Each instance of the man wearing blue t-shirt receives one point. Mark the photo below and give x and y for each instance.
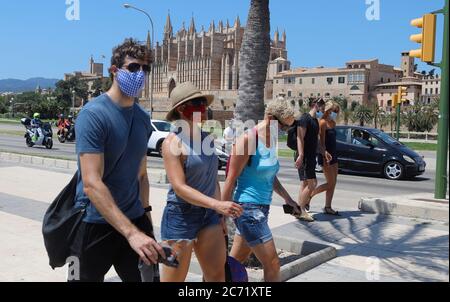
(112, 135)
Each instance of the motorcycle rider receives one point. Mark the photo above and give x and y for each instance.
(36, 124)
(63, 125)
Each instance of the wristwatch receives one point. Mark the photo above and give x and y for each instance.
(148, 209)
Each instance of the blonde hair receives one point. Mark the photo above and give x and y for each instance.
(280, 109)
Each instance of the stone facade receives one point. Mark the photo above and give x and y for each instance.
(210, 60)
(95, 73)
(431, 86)
(357, 81)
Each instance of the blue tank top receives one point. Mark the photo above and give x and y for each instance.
(255, 184)
(200, 169)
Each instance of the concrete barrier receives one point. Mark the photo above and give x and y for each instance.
(422, 206)
(312, 255)
(156, 176)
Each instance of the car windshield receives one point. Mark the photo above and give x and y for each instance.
(386, 138)
(163, 126)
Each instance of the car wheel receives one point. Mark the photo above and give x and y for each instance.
(159, 147)
(394, 170)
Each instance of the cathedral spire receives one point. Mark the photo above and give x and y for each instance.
(168, 29)
(237, 23)
(212, 27)
(276, 37)
(149, 41)
(283, 37)
(192, 29)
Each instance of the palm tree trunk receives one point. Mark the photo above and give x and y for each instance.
(253, 63)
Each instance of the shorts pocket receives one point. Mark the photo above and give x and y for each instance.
(179, 208)
(255, 216)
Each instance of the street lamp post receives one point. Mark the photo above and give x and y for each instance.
(73, 102)
(126, 5)
(12, 106)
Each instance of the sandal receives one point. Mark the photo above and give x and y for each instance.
(307, 208)
(306, 217)
(330, 211)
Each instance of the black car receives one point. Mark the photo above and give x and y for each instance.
(371, 151)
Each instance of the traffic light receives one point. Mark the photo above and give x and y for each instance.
(402, 94)
(394, 100)
(427, 38)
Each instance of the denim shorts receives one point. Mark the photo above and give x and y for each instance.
(183, 221)
(253, 224)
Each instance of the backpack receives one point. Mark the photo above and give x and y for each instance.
(292, 137)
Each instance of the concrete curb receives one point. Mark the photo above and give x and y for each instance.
(314, 254)
(422, 206)
(156, 176)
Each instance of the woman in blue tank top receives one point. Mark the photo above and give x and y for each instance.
(251, 180)
(192, 218)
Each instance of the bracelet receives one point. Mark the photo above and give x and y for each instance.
(148, 209)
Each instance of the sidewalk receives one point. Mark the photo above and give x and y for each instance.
(407, 249)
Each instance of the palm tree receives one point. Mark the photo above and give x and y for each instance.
(345, 110)
(376, 112)
(420, 118)
(363, 114)
(431, 72)
(384, 118)
(253, 62)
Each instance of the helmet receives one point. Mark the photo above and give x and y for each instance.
(61, 116)
(70, 117)
(36, 115)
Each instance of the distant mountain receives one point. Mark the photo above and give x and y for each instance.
(14, 85)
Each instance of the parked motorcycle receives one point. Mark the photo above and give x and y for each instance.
(45, 134)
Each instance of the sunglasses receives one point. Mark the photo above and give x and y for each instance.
(197, 103)
(282, 124)
(135, 67)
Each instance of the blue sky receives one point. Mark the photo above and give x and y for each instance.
(36, 39)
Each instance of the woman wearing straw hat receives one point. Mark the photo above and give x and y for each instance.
(327, 134)
(192, 217)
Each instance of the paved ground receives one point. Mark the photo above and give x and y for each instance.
(406, 249)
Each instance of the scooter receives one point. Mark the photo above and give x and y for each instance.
(68, 136)
(45, 134)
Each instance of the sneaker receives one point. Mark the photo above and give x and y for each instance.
(306, 217)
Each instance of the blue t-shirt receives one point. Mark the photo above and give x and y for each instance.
(104, 127)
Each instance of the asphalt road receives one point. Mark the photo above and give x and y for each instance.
(350, 187)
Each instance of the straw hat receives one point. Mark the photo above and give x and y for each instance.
(184, 93)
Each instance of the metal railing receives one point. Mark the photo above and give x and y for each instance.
(427, 136)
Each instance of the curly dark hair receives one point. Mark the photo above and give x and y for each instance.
(132, 48)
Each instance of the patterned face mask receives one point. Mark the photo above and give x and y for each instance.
(131, 83)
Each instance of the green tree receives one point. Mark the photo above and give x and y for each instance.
(4, 106)
(384, 118)
(346, 110)
(376, 112)
(100, 86)
(420, 118)
(65, 90)
(254, 59)
(362, 114)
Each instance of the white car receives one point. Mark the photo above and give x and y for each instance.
(160, 130)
